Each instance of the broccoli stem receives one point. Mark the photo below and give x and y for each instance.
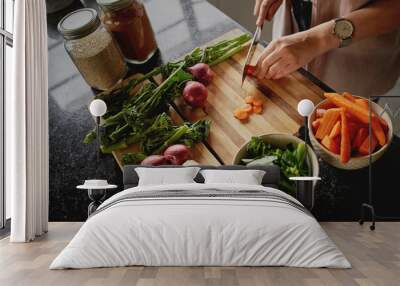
(109, 149)
(179, 133)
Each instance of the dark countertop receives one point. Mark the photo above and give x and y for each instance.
(180, 26)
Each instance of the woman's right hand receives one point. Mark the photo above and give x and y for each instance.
(265, 10)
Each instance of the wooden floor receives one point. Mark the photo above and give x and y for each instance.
(375, 257)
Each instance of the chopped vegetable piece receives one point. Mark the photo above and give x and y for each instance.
(320, 112)
(345, 147)
(249, 99)
(349, 96)
(353, 128)
(378, 132)
(248, 108)
(362, 102)
(332, 144)
(336, 130)
(328, 121)
(360, 113)
(350, 107)
(315, 124)
(364, 148)
(362, 133)
(241, 114)
(257, 102)
(257, 109)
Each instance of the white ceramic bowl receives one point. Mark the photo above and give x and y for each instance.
(355, 162)
(282, 140)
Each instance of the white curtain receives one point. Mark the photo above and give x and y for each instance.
(27, 124)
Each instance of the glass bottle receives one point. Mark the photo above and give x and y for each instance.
(127, 20)
(92, 49)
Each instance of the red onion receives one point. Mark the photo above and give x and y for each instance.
(177, 154)
(202, 73)
(195, 94)
(154, 160)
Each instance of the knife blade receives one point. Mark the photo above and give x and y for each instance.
(250, 53)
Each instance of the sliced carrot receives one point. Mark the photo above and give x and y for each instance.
(258, 102)
(328, 121)
(355, 110)
(353, 128)
(362, 102)
(362, 133)
(345, 148)
(364, 148)
(257, 109)
(332, 144)
(360, 113)
(248, 108)
(349, 96)
(378, 131)
(249, 99)
(315, 124)
(241, 114)
(336, 130)
(320, 112)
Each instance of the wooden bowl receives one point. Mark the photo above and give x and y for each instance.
(281, 140)
(355, 162)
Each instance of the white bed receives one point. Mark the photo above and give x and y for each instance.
(184, 230)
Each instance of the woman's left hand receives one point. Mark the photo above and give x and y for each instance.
(287, 54)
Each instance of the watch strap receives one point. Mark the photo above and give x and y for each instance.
(345, 42)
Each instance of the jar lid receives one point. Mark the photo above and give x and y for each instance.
(79, 23)
(114, 4)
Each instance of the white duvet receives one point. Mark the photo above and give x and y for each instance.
(200, 231)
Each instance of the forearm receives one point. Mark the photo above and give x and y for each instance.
(379, 17)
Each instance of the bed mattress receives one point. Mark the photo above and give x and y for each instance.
(201, 225)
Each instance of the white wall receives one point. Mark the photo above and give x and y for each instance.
(242, 12)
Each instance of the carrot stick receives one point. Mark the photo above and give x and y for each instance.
(362, 133)
(349, 96)
(315, 124)
(320, 112)
(362, 102)
(332, 144)
(345, 148)
(364, 148)
(365, 104)
(335, 130)
(328, 121)
(360, 113)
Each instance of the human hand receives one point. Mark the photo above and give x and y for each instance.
(287, 54)
(265, 10)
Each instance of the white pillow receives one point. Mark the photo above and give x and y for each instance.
(248, 177)
(165, 176)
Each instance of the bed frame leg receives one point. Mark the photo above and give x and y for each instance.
(362, 218)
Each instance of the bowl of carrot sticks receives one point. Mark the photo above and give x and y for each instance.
(340, 131)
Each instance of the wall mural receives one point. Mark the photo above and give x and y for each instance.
(168, 89)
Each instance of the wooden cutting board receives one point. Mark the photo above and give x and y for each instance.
(228, 134)
(225, 94)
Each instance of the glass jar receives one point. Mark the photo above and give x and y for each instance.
(92, 49)
(127, 20)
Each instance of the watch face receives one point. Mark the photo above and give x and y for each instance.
(344, 29)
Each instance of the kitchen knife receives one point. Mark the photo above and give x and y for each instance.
(250, 53)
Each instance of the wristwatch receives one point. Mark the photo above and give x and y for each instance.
(344, 30)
